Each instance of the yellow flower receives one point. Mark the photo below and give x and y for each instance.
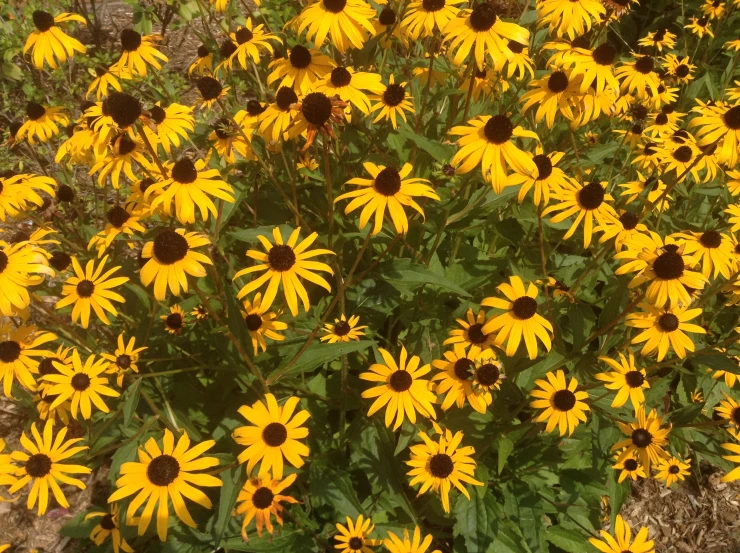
(622, 540)
(563, 405)
(121, 220)
(120, 159)
(250, 40)
(172, 124)
(21, 266)
(275, 434)
(174, 322)
(569, 17)
(394, 544)
(557, 92)
(261, 323)
(547, 180)
(350, 85)
(353, 538)
(464, 378)
(714, 249)
(43, 122)
(286, 263)
(19, 192)
(664, 329)
(260, 498)
(203, 64)
(49, 43)
(138, 51)
(162, 475)
(124, 358)
(627, 378)
(639, 77)
(629, 467)
(108, 527)
(19, 348)
(301, 69)
(672, 470)
(429, 17)
(646, 438)
(211, 91)
(471, 335)
(343, 330)
(392, 103)
(346, 21)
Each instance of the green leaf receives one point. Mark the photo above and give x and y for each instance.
(571, 541)
(229, 492)
(132, 401)
(505, 447)
(140, 293)
(250, 234)
(435, 149)
(406, 276)
(286, 542)
(617, 494)
(476, 521)
(78, 527)
(318, 354)
(718, 362)
(331, 487)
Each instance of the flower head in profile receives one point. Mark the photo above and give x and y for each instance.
(49, 43)
(622, 540)
(162, 475)
(260, 498)
(42, 123)
(343, 330)
(563, 405)
(261, 323)
(286, 263)
(389, 189)
(441, 465)
(275, 433)
(399, 388)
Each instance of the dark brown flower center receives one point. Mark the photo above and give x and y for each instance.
(557, 82)
(433, 5)
(669, 265)
(42, 20)
(604, 54)
(130, 40)
(80, 382)
(634, 379)
(275, 434)
(262, 498)
(674, 469)
(46, 366)
(117, 216)
(184, 171)
(9, 351)
(65, 193)
(661, 119)
(107, 523)
(157, 114)
(387, 17)
(3, 262)
(659, 34)
(163, 470)
(498, 129)
(475, 335)
(516, 47)
(342, 328)
(355, 543)
(174, 321)
(255, 107)
(281, 258)
(227, 48)
(464, 368)
(209, 88)
(682, 71)
(401, 381)
(85, 288)
(732, 118)
(388, 182)
(649, 149)
(35, 111)
(394, 94)
(335, 6)
(340, 76)
(636, 129)
(441, 465)
(285, 98)
(563, 400)
(631, 465)
(243, 35)
(683, 154)
(524, 308)
(253, 322)
(544, 166)
(668, 322)
(710, 239)
(736, 415)
(483, 16)
(123, 361)
(169, 247)
(221, 128)
(125, 145)
(702, 22)
(203, 51)
(642, 438)
(591, 196)
(38, 465)
(300, 57)
(123, 108)
(316, 108)
(629, 220)
(645, 65)
(488, 374)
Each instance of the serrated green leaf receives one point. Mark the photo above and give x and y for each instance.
(407, 276)
(318, 354)
(571, 541)
(332, 487)
(476, 521)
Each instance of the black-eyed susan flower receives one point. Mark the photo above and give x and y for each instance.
(44, 465)
(21, 266)
(729, 410)
(659, 39)
(596, 66)
(516, 58)
(459, 379)
(400, 388)
(734, 474)
(390, 189)
(301, 69)
(203, 64)
(251, 40)
(386, 28)
(487, 141)
(629, 467)
(520, 319)
(627, 228)
(569, 17)
(46, 366)
(393, 102)
(261, 323)
(106, 78)
(108, 527)
(679, 67)
(482, 32)
(137, 52)
(19, 353)
(317, 113)
(563, 405)
(81, 384)
(351, 86)
(164, 475)
(189, 186)
(646, 440)
(121, 220)
(632, 136)
(211, 91)
(43, 122)
(343, 330)
(664, 329)
(700, 26)
(278, 116)
(6, 469)
(123, 360)
(440, 465)
(672, 470)
(228, 141)
(61, 412)
(558, 92)
(91, 288)
(285, 264)
(200, 312)
(274, 434)
(395, 544)
(638, 76)
(260, 498)
(664, 266)
(713, 249)
(170, 257)
(720, 125)
(471, 335)
(424, 18)
(121, 159)
(172, 124)
(347, 22)
(547, 179)
(353, 538)
(49, 43)
(622, 540)
(714, 9)
(174, 321)
(652, 188)
(626, 378)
